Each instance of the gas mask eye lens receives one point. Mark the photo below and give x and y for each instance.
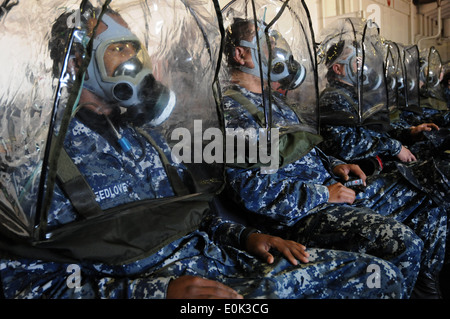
(129, 68)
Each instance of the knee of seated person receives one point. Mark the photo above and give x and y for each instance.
(413, 245)
(388, 278)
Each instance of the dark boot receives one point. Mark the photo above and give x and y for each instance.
(427, 287)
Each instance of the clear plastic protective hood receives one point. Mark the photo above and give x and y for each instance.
(284, 52)
(154, 64)
(431, 73)
(409, 93)
(356, 45)
(394, 74)
(402, 76)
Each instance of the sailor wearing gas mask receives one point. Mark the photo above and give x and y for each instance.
(433, 109)
(423, 91)
(123, 167)
(402, 67)
(360, 130)
(432, 97)
(341, 97)
(298, 199)
(355, 119)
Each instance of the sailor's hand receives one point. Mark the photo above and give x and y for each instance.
(191, 287)
(260, 244)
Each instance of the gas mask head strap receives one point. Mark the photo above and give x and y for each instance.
(253, 46)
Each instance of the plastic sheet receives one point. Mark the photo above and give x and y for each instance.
(40, 92)
(356, 43)
(431, 73)
(286, 25)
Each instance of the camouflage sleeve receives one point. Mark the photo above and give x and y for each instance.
(61, 210)
(334, 162)
(284, 196)
(402, 134)
(354, 143)
(222, 230)
(329, 161)
(237, 117)
(277, 196)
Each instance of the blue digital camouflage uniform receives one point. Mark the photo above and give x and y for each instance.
(389, 193)
(329, 274)
(352, 143)
(434, 108)
(292, 202)
(429, 115)
(124, 179)
(434, 144)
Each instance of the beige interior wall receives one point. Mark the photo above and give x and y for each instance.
(392, 16)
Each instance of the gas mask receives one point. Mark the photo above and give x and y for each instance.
(401, 83)
(284, 69)
(392, 80)
(121, 72)
(370, 79)
(427, 76)
(431, 79)
(411, 85)
(392, 83)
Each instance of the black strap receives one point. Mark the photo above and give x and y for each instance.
(176, 182)
(76, 187)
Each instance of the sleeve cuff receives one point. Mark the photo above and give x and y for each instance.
(244, 235)
(397, 148)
